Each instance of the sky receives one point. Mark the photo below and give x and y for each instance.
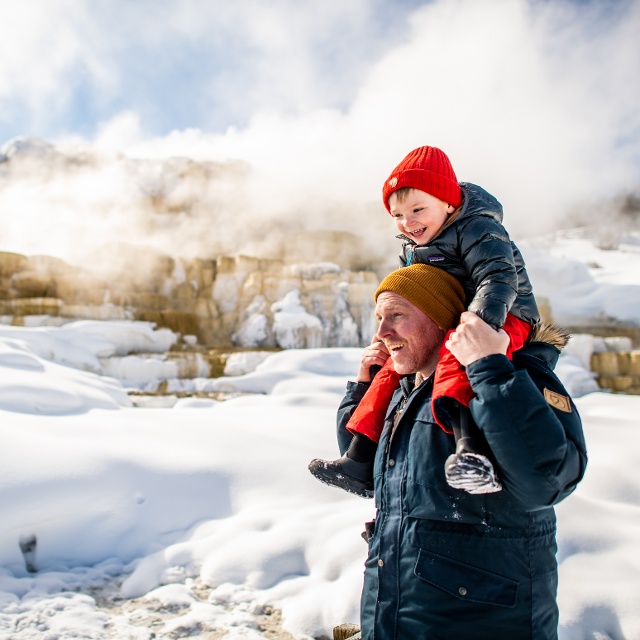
(146, 517)
(73, 65)
(534, 100)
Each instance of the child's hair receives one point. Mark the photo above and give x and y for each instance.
(403, 193)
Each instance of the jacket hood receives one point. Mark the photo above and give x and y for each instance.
(551, 334)
(545, 343)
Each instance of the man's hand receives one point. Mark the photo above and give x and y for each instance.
(375, 354)
(474, 339)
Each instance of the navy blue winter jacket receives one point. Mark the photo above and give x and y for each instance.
(445, 564)
(476, 250)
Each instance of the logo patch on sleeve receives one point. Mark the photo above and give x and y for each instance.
(557, 400)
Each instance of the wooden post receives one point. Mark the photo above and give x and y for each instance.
(345, 631)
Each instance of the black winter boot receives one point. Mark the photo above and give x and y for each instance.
(468, 469)
(345, 473)
(353, 472)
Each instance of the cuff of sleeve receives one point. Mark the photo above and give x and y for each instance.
(356, 390)
(489, 367)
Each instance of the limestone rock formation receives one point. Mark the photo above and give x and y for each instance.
(227, 301)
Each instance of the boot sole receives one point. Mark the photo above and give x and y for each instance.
(340, 480)
(472, 473)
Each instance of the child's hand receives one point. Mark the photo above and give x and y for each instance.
(474, 339)
(375, 355)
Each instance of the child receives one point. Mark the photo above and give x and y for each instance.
(457, 227)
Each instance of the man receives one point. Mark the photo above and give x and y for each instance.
(444, 563)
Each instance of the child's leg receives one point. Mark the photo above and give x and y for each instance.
(450, 389)
(368, 417)
(354, 470)
(367, 420)
(451, 382)
(469, 468)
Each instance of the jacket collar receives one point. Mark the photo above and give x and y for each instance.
(545, 342)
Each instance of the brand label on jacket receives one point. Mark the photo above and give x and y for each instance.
(557, 400)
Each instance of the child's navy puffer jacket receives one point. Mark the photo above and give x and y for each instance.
(476, 249)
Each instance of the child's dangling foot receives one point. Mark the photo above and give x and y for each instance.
(352, 472)
(468, 468)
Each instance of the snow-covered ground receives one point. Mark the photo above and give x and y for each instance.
(201, 519)
(585, 283)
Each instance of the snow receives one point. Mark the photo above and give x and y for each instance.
(168, 522)
(583, 283)
(290, 321)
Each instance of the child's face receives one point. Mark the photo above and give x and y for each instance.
(420, 216)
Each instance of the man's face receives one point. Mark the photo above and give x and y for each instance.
(419, 216)
(412, 338)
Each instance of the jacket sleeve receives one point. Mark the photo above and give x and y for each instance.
(535, 435)
(487, 256)
(355, 393)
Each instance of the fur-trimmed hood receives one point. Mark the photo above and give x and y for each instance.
(550, 334)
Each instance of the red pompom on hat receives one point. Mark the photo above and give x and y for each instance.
(427, 169)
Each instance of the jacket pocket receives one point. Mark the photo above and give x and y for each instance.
(465, 581)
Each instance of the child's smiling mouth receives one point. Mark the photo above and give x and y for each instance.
(418, 233)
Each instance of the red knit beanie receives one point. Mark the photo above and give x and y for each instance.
(427, 169)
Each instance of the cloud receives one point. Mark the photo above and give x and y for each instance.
(48, 52)
(66, 65)
(533, 100)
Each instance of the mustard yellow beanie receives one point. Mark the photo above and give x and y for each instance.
(430, 289)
